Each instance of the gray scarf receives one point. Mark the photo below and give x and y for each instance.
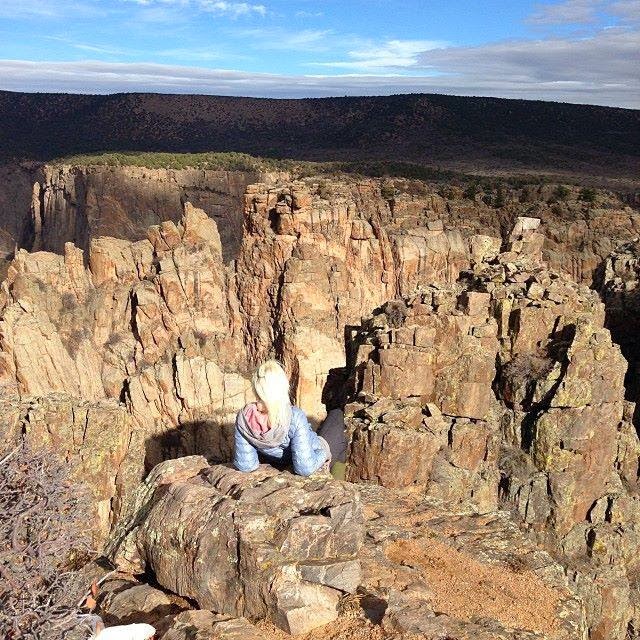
(268, 440)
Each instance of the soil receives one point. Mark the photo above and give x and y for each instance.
(466, 589)
(340, 629)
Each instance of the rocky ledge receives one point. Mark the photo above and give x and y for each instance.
(263, 545)
(262, 553)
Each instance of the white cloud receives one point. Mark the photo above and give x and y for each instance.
(232, 8)
(309, 14)
(279, 39)
(386, 55)
(198, 54)
(608, 62)
(567, 12)
(46, 9)
(627, 10)
(470, 72)
(93, 48)
(219, 7)
(584, 12)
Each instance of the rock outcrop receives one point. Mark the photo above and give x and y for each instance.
(43, 206)
(265, 549)
(148, 326)
(264, 545)
(484, 379)
(617, 281)
(507, 389)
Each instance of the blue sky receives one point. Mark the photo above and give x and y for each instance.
(570, 50)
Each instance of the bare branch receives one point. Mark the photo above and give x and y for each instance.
(43, 542)
(3, 460)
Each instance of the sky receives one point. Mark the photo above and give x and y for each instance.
(581, 51)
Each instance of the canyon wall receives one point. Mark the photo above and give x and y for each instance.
(439, 327)
(76, 204)
(16, 195)
(44, 206)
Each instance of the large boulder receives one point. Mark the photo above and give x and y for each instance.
(265, 545)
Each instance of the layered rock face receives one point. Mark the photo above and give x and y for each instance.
(506, 389)
(148, 326)
(617, 283)
(579, 235)
(16, 194)
(44, 206)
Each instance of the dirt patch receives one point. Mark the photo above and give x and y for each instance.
(466, 589)
(340, 629)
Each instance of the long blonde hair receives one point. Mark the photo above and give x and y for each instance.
(271, 385)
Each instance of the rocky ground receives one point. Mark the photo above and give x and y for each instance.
(493, 463)
(302, 554)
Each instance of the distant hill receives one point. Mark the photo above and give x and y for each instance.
(485, 134)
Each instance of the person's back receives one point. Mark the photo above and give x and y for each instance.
(274, 429)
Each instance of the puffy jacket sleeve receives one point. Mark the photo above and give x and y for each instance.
(245, 456)
(308, 452)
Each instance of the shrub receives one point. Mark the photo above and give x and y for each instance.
(396, 312)
(472, 191)
(587, 194)
(561, 193)
(500, 200)
(43, 542)
(324, 190)
(388, 191)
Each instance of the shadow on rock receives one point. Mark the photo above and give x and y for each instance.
(209, 438)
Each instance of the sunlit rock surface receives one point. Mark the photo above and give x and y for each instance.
(477, 375)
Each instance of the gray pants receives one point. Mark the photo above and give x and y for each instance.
(333, 431)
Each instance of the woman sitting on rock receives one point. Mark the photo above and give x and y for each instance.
(275, 431)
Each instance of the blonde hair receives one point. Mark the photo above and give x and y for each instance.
(271, 385)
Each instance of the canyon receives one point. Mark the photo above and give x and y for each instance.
(476, 335)
(43, 206)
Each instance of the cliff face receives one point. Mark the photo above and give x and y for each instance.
(76, 204)
(44, 206)
(505, 389)
(475, 348)
(16, 196)
(617, 282)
